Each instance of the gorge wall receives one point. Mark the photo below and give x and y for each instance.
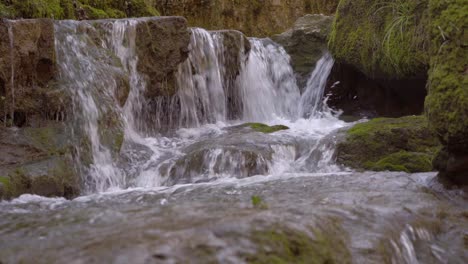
(257, 18)
(38, 108)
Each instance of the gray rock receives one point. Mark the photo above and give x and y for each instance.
(306, 42)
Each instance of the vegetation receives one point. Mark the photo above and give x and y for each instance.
(83, 9)
(259, 127)
(258, 203)
(447, 102)
(284, 245)
(394, 144)
(384, 39)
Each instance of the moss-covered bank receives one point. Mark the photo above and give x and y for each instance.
(394, 144)
(77, 9)
(383, 38)
(447, 102)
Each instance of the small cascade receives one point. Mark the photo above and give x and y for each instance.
(201, 94)
(92, 76)
(312, 99)
(268, 83)
(11, 37)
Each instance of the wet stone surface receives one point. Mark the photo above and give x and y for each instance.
(366, 217)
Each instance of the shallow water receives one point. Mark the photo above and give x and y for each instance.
(423, 222)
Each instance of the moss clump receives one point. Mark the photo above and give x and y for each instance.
(284, 245)
(265, 128)
(384, 38)
(395, 144)
(258, 203)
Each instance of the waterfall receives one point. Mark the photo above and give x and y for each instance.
(311, 101)
(268, 83)
(91, 75)
(219, 83)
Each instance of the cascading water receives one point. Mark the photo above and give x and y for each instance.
(312, 98)
(94, 60)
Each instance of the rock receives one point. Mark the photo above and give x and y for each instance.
(388, 41)
(27, 71)
(236, 49)
(162, 44)
(306, 42)
(447, 101)
(254, 18)
(395, 144)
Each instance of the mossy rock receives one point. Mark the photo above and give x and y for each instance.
(403, 161)
(383, 38)
(395, 144)
(259, 127)
(60, 181)
(285, 245)
(447, 101)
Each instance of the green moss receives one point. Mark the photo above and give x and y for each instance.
(283, 245)
(396, 144)
(95, 13)
(384, 38)
(64, 9)
(257, 202)
(265, 128)
(403, 161)
(447, 101)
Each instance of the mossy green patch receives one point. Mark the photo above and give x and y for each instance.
(258, 203)
(384, 38)
(402, 161)
(66, 9)
(265, 128)
(284, 245)
(395, 144)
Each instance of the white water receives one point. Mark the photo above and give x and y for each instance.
(196, 146)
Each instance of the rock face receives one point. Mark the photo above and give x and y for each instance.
(447, 102)
(398, 144)
(306, 42)
(161, 45)
(255, 18)
(27, 71)
(36, 106)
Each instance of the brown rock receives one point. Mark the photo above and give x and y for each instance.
(162, 44)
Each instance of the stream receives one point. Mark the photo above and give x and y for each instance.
(193, 184)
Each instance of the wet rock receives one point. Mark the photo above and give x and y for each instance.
(447, 101)
(27, 71)
(401, 144)
(161, 44)
(306, 43)
(254, 18)
(236, 49)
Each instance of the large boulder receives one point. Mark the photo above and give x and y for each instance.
(447, 102)
(394, 144)
(306, 42)
(254, 18)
